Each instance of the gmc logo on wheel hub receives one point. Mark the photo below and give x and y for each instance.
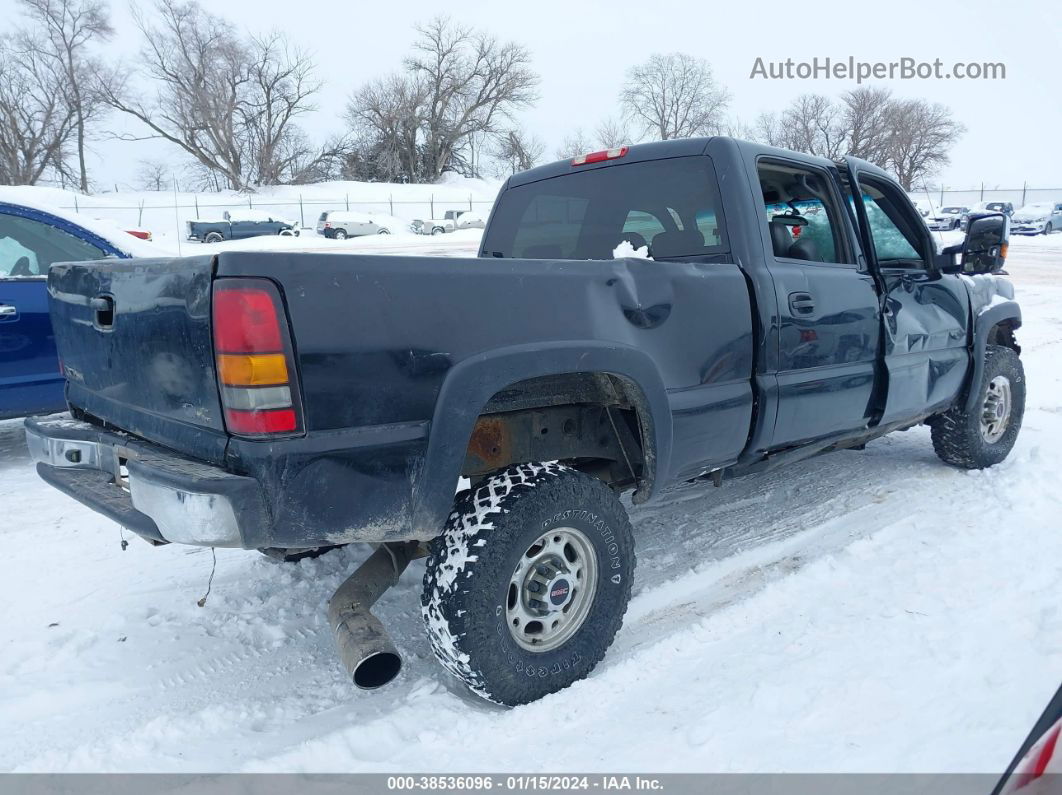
(559, 592)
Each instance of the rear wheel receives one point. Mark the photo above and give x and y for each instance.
(213, 237)
(384, 232)
(527, 586)
(438, 230)
(984, 436)
(340, 234)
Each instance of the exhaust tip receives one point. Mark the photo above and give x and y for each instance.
(377, 670)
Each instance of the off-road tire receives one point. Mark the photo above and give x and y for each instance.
(956, 434)
(466, 581)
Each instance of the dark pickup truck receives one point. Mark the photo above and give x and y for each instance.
(487, 412)
(239, 226)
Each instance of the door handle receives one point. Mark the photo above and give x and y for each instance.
(8, 311)
(801, 303)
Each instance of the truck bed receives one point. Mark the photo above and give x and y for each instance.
(396, 358)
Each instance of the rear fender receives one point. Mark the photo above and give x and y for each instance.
(472, 383)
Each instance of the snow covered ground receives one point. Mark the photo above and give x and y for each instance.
(864, 611)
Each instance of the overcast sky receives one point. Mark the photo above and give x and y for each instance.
(582, 49)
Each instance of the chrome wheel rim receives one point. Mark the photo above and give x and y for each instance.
(995, 416)
(551, 590)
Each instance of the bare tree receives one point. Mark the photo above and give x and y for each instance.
(455, 97)
(518, 151)
(674, 96)
(811, 124)
(921, 136)
(36, 124)
(281, 85)
(865, 117)
(470, 83)
(153, 175)
(229, 103)
(573, 145)
(386, 118)
(68, 29)
(612, 132)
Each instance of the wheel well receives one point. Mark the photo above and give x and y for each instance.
(1003, 334)
(595, 422)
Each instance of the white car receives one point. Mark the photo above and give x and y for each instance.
(433, 226)
(341, 224)
(471, 220)
(946, 218)
(1040, 218)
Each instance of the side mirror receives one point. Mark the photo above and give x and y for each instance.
(985, 247)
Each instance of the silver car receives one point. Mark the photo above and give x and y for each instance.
(343, 224)
(1040, 218)
(946, 218)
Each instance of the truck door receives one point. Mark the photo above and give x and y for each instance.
(827, 305)
(924, 312)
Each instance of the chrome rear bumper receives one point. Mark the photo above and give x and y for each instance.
(154, 492)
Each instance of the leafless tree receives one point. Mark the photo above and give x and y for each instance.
(575, 144)
(386, 117)
(518, 151)
(674, 96)
(612, 132)
(470, 82)
(865, 118)
(231, 104)
(921, 136)
(458, 90)
(153, 175)
(811, 123)
(280, 89)
(67, 31)
(36, 124)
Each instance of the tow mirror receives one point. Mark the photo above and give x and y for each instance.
(985, 248)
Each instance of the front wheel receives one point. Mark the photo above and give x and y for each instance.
(985, 436)
(527, 586)
(1048, 229)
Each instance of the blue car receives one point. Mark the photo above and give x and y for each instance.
(30, 241)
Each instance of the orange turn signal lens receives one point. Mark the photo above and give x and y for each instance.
(262, 369)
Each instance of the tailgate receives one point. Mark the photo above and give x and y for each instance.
(134, 340)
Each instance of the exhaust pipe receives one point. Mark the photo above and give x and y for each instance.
(365, 650)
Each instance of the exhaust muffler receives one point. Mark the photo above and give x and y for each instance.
(364, 647)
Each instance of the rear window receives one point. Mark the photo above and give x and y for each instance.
(671, 206)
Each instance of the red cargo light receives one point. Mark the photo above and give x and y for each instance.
(597, 157)
(253, 352)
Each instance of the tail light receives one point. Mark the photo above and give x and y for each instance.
(597, 157)
(255, 362)
(328, 225)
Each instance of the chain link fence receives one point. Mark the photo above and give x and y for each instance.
(1019, 197)
(164, 214)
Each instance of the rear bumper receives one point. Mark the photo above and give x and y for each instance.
(155, 493)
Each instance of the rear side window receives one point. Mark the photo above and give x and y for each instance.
(671, 206)
(29, 247)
